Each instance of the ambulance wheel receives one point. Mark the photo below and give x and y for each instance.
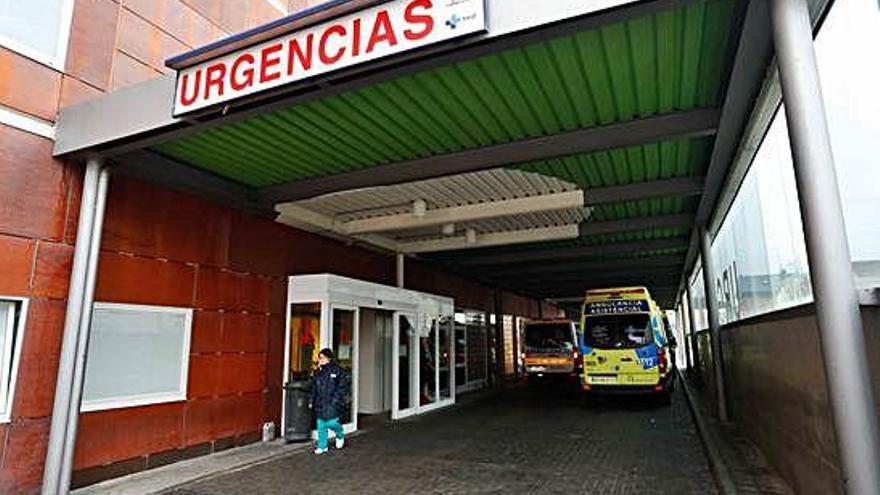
(664, 398)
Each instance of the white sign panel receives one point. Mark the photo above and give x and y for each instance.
(380, 31)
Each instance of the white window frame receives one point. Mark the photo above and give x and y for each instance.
(278, 5)
(14, 354)
(155, 398)
(27, 123)
(58, 62)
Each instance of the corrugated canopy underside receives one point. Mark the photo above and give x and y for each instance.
(669, 61)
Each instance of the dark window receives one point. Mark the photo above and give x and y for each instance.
(617, 331)
(549, 337)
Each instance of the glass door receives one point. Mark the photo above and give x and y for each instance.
(460, 350)
(445, 358)
(343, 342)
(428, 369)
(404, 373)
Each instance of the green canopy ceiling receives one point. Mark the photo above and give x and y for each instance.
(645, 66)
(666, 62)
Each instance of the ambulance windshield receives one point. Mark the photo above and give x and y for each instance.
(549, 337)
(619, 331)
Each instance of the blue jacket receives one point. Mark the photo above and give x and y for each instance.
(329, 391)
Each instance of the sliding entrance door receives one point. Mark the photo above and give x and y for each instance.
(404, 374)
(343, 341)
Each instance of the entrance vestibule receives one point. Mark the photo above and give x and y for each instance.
(395, 343)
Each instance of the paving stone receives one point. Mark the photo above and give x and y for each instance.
(516, 442)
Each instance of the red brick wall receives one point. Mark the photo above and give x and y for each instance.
(162, 247)
(113, 43)
(467, 293)
(38, 204)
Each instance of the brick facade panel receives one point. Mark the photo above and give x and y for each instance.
(204, 375)
(128, 71)
(16, 257)
(210, 419)
(92, 41)
(243, 373)
(21, 470)
(124, 278)
(74, 91)
(28, 86)
(51, 276)
(34, 190)
(275, 351)
(177, 19)
(216, 288)
(249, 413)
(174, 226)
(207, 328)
(34, 398)
(45, 326)
(232, 17)
(145, 42)
(118, 434)
(245, 332)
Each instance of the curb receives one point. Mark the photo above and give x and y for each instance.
(719, 468)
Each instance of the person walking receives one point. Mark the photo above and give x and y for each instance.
(328, 399)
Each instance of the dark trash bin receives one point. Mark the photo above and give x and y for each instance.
(298, 416)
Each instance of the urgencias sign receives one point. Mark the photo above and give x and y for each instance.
(380, 31)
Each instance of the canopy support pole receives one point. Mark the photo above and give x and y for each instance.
(400, 260)
(837, 310)
(714, 323)
(684, 325)
(692, 324)
(71, 370)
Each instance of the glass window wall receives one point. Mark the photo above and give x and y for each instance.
(846, 49)
(759, 251)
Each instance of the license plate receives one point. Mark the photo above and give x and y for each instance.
(603, 379)
(537, 368)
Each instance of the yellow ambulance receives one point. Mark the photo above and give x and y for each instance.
(625, 344)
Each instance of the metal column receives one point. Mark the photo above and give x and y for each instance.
(84, 332)
(837, 310)
(714, 322)
(400, 260)
(499, 338)
(685, 333)
(516, 351)
(692, 324)
(68, 389)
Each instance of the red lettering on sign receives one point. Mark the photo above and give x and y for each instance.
(270, 58)
(356, 38)
(184, 85)
(237, 72)
(294, 51)
(382, 31)
(214, 75)
(338, 30)
(425, 20)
